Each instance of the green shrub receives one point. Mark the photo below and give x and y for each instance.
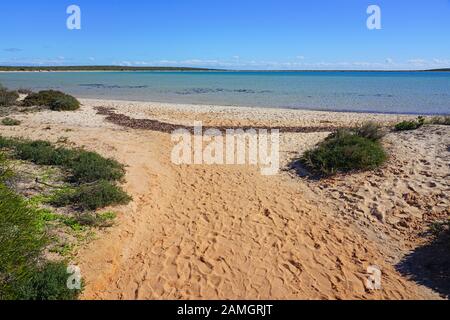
(84, 166)
(8, 98)
(6, 143)
(99, 220)
(21, 241)
(43, 153)
(46, 283)
(370, 130)
(344, 152)
(92, 172)
(92, 197)
(5, 171)
(55, 100)
(90, 167)
(410, 125)
(10, 122)
(66, 103)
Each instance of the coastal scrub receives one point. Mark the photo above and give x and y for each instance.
(345, 151)
(55, 100)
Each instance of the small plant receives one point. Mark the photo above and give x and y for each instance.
(84, 166)
(48, 282)
(10, 122)
(445, 120)
(65, 103)
(25, 91)
(410, 125)
(98, 220)
(439, 227)
(8, 98)
(42, 153)
(55, 100)
(5, 171)
(92, 197)
(21, 242)
(93, 175)
(89, 167)
(370, 130)
(344, 151)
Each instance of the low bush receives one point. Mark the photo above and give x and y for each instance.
(5, 171)
(42, 153)
(410, 125)
(89, 167)
(48, 282)
(91, 197)
(55, 100)
(98, 220)
(66, 103)
(21, 242)
(370, 130)
(8, 98)
(84, 166)
(445, 120)
(10, 122)
(94, 175)
(344, 151)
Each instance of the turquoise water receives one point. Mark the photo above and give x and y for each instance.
(390, 92)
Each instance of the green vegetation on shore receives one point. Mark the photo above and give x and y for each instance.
(410, 125)
(25, 274)
(52, 99)
(347, 150)
(7, 98)
(55, 100)
(90, 183)
(10, 122)
(420, 122)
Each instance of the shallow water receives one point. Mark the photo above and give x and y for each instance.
(390, 92)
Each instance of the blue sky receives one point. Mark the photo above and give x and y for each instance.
(244, 34)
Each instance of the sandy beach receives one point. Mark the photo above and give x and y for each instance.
(227, 232)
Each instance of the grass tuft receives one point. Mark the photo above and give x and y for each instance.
(92, 197)
(370, 130)
(10, 122)
(445, 120)
(410, 125)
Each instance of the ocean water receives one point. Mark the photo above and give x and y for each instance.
(386, 92)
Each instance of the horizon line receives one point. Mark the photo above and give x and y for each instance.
(181, 68)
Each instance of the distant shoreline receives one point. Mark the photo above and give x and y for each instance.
(172, 69)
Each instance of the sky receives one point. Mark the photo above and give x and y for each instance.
(229, 34)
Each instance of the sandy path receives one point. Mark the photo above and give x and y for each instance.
(206, 232)
(215, 232)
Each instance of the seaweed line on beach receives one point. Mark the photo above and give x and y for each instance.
(155, 125)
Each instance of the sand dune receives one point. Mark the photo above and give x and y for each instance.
(226, 232)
